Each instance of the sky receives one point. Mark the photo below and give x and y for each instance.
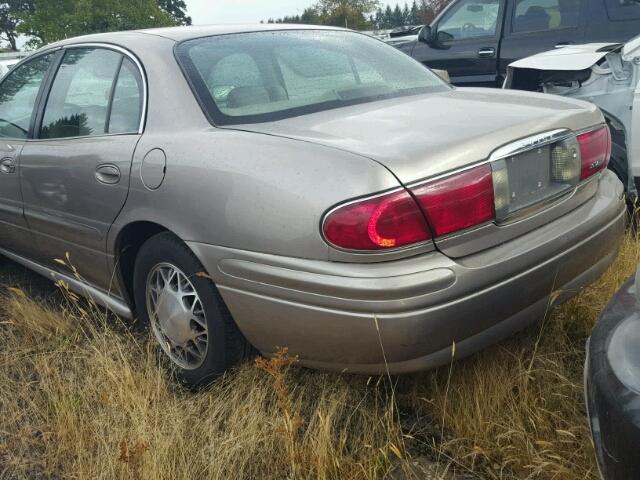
(244, 11)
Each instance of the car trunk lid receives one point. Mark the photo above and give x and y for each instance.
(431, 136)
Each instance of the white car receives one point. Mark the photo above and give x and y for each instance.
(9, 59)
(606, 74)
(5, 66)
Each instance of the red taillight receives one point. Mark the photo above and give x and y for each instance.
(459, 201)
(595, 151)
(450, 204)
(387, 221)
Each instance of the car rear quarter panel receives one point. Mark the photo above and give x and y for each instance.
(248, 191)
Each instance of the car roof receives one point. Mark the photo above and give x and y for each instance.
(179, 34)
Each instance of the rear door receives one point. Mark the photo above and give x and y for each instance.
(75, 173)
(19, 92)
(467, 42)
(534, 26)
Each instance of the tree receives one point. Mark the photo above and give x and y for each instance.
(405, 14)
(310, 16)
(388, 17)
(346, 13)
(425, 13)
(397, 19)
(378, 19)
(177, 9)
(438, 5)
(414, 18)
(52, 20)
(10, 12)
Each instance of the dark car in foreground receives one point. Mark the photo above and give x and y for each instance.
(475, 40)
(612, 384)
(300, 187)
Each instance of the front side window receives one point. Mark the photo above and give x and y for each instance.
(18, 94)
(264, 76)
(96, 91)
(470, 19)
(542, 15)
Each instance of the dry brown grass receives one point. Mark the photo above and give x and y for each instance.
(82, 397)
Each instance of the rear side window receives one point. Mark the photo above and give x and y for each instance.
(623, 10)
(96, 91)
(18, 93)
(542, 15)
(126, 108)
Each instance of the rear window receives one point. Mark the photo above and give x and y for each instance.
(619, 10)
(265, 76)
(541, 15)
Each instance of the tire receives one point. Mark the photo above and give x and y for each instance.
(173, 319)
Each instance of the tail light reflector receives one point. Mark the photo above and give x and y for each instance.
(459, 201)
(386, 221)
(595, 151)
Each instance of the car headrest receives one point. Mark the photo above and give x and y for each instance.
(244, 96)
(536, 18)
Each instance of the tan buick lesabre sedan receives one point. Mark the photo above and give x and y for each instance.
(253, 187)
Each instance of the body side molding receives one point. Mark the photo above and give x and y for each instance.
(116, 305)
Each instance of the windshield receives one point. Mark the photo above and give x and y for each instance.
(264, 76)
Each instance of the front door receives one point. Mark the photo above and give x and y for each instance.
(75, 173)
(466, 42)
(19, 92)
(535, 26)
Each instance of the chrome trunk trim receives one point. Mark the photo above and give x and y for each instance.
(529, 143)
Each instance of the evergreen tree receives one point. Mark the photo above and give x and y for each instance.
(405, 14)
(310, 17)
(388, 17)
(414, 19)
(378, 20)
(396, 18)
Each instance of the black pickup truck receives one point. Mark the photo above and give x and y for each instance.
(475, 40)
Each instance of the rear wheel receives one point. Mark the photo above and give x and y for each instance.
(184, 311)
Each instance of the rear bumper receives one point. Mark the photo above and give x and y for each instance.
(405, 315)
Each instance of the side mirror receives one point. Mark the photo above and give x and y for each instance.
(426, 35)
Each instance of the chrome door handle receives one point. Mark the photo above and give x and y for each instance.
(107, 174)
(7, 165)
(486, 52)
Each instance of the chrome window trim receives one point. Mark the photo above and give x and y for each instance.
(82, 137)
(136, 62)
